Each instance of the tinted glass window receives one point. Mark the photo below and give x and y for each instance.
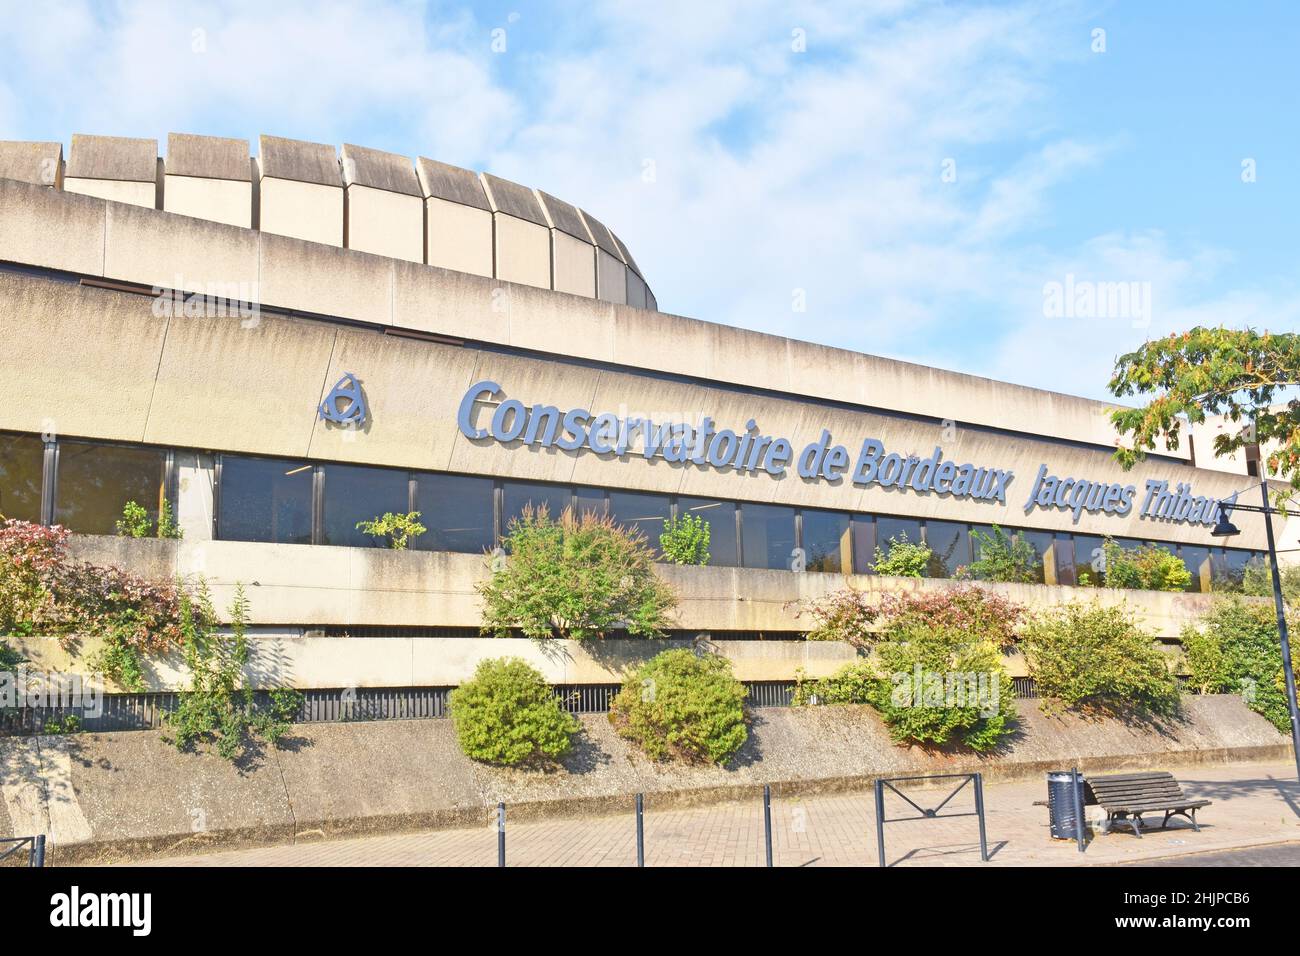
(265, 499)
(864, 543)
(1040, 541)
(767, 532)
(354, 494)
(1194, 557)
(95, 483)
(1234, 569)
(21, 465)
(1088, 559)
(591, 500)
(457, 511)
(949, 548)
(517, 495)
(643, 513)
(827, 541)
(721, 516)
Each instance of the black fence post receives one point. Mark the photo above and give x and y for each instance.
(640, 829)
(880, 820)
(501, 834)
(767, 821)
(38, 851)
(1080, 834)
(979, 810)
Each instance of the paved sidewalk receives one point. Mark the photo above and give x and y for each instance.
(1254, 805)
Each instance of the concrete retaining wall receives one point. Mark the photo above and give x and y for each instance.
(112, 796)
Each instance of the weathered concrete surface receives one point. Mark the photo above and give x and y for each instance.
(130, 794)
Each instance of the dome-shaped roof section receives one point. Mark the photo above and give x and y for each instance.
(358, 198)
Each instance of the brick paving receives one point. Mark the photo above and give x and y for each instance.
(1255, 805)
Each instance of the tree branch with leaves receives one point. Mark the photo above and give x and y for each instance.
(1240, 374)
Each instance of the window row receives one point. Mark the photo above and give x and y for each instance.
(85, 486)
(290, 501)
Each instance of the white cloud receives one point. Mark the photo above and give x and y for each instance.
(773, 170)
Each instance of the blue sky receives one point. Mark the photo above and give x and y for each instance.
(748, 175)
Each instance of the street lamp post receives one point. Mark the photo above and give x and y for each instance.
(1225, 528)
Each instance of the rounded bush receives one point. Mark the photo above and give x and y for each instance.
(684, 705)
(1093, 657)
(507, 715)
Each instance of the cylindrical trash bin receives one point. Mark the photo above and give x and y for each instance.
(1061, 803)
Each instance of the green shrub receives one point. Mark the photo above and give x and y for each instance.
(1236, 649)
(685, 705)
(506, 714)
(167, 526)
(397, 529)
(217, 709)
(69, 724)
(1092, 657)
(578, 577)
(849, 615)
(1257, 581)
(1148, 568)
(935, 671)
(136, 523)
(940, 686)
(905, 559)
(685, 540)
(43, 591)
(854, 683)
(1003, 557)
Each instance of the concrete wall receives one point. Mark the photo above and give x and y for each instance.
(106, 797)
(291, 588)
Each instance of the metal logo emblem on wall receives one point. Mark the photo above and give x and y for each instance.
(345, 404)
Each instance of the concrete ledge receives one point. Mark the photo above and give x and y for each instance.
(40, 164)
(128, 795)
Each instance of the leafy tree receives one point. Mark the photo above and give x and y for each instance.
(578, 577)
(905, 559)
(1236, 649)
(1004, 558)
(685, 540)
(1148, 568)
(683, 704)
(506, 714)
(218, 708)
(398, 529)
(1240, 374)
(1092, 657)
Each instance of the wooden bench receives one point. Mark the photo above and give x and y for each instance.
(1127, 796)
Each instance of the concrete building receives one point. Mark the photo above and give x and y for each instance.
(274, 348)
